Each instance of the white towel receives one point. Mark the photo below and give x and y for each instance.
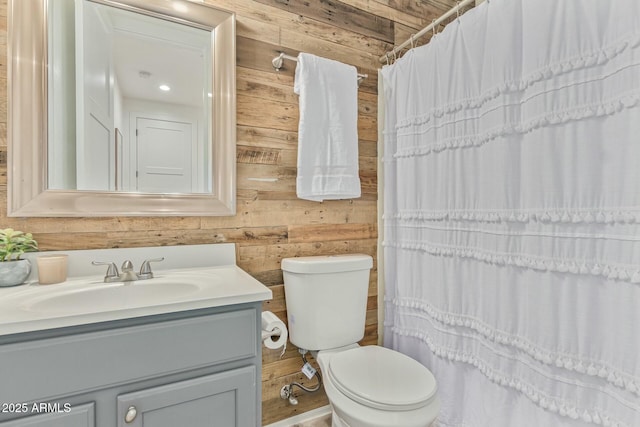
(328, 129)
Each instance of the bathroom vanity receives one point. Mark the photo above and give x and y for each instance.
(191, 360)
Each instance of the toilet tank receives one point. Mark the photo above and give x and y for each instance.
(326, 299)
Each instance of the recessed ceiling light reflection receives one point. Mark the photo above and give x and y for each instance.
(164, 88)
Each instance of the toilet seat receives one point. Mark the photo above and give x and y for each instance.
(381, 378)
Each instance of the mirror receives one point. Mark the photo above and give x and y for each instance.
(136, 117)
(129, 101)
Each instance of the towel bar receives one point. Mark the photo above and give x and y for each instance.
(279, 60)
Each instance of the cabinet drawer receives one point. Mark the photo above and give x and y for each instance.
(79, 363)
(227, 399)
(78, 416)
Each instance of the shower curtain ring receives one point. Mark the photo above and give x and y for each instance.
(458, 11)
(412, 36)
(395, 58)
(386, 55)
(433, 28)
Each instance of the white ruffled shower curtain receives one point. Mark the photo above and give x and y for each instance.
(512, 213)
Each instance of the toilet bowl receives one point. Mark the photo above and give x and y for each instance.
(373, 386)
(367, 386)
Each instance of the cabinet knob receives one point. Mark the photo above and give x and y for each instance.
(131, 414)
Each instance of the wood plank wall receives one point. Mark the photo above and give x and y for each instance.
(271, 222)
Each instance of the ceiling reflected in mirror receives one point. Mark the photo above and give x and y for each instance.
(129, 101)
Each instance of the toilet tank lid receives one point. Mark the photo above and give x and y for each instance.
(327, 263)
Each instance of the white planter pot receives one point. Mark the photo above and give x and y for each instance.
(14, 273)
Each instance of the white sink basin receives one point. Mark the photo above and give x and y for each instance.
(114, 296)
(89, 300)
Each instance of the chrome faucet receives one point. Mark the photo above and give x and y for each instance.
(127, 274)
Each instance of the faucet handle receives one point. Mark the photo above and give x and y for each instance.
(112, 270)
(145, 268)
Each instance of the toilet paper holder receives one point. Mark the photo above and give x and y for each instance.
(274, 332)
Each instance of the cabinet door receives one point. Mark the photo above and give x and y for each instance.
(227, 399)
(78, 416)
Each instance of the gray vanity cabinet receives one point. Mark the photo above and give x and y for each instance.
(226, 399)
(198, 368)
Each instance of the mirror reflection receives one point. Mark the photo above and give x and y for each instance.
(129, 101)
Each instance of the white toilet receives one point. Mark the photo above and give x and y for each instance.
(367, 386)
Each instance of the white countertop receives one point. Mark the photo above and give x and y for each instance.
(86, 300)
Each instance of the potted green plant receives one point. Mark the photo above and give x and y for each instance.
(13, 243)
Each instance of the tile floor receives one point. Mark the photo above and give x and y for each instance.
(323, 421)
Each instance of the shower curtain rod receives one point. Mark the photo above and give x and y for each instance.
(278, 60)
(454, 10)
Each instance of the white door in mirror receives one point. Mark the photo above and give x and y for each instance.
(164, 156)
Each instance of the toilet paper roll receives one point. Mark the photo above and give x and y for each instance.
(273, 327)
